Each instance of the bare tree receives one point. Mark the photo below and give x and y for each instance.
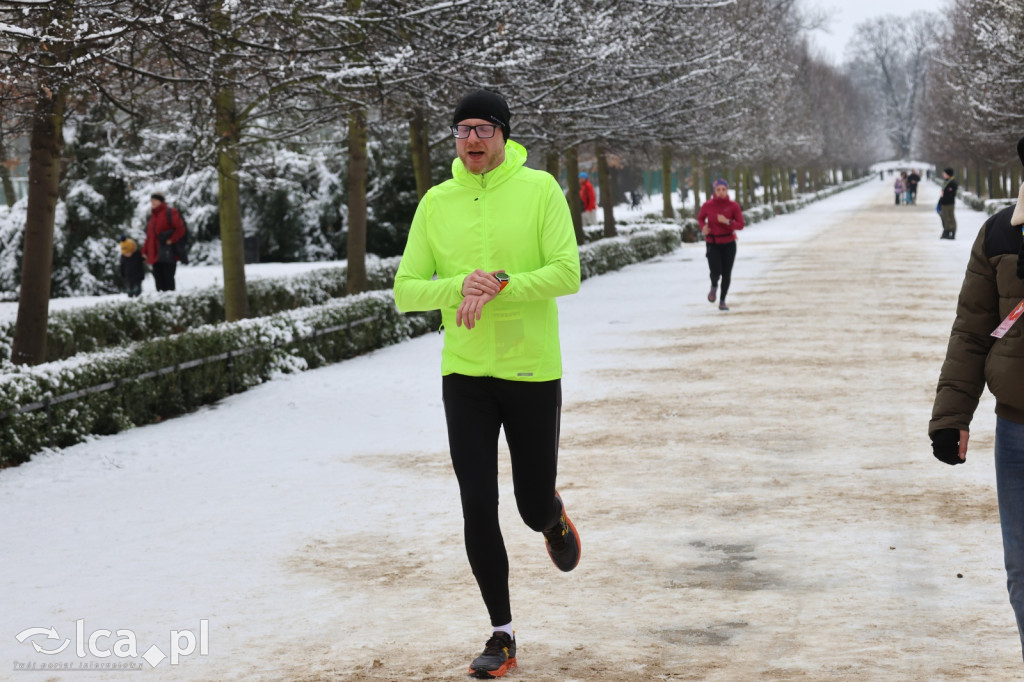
(893, 54)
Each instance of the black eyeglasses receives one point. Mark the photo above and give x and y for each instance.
(484, 132)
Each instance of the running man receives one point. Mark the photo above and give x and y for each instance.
(500, 239)
(719, 218)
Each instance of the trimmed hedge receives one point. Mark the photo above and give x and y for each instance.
(261, 347)
(614, 253)
(106, 325)
(989, 206)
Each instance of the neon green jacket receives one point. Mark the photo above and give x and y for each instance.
(514, 219)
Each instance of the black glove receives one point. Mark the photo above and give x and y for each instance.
(946, 446)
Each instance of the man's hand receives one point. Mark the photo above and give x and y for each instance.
(470, 310)
(950, 445)
(480, 283)
(478, 289)
(722, 219)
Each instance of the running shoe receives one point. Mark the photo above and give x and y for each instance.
(723, 306)
(712, 294)
(498, 658)
(563, 542)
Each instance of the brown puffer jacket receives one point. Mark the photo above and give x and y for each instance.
(990, 291)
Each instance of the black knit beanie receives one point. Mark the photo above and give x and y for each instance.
(487, 105)
(949, 171)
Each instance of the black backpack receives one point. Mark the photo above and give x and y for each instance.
(181, 246)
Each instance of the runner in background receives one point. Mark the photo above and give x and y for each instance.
(719, 218)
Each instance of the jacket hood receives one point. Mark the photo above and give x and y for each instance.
(515, 157)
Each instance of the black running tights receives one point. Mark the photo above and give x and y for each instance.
(475, 408)
(720, 260)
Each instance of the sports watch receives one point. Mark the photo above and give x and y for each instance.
(502, 278)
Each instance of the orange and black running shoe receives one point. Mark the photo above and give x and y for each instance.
(563, 542)
(498, 658)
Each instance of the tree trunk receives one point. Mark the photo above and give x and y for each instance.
(604, 181)
(44, 166)
(420, 147)
(666, 183)
(357, 167)
(696, 187)
(572, 170)
(227, 127)
(552, 164)
(5, 177)
(232, 244)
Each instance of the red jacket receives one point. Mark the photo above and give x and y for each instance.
(720, 232)
(587, 196)
(158, 224)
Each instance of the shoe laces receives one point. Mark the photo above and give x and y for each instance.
(556, 535)
(497, 643)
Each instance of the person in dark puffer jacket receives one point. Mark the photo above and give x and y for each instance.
(992, 291)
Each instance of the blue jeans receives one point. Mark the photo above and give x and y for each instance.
(1009, 457)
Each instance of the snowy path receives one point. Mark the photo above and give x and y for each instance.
(754, 490)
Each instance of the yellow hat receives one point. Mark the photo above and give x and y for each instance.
(128, 247)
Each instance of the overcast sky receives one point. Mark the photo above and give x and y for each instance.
(846, 14)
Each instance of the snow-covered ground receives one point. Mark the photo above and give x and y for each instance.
(754, 490)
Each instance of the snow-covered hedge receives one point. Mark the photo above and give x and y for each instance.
(260, 348)
(989, 206)
(154, 315)
(617, 252)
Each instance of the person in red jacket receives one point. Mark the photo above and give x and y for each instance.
(588, 199)
(163, 229)
(719, 218)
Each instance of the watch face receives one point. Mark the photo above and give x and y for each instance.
(501, 276)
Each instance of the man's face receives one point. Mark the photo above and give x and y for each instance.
(721, 192)
(155, 204)
(480, 156)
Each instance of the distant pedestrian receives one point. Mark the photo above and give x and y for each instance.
(588, 199)
(899, 188)
(719, 218)
(163, 229)
(912, 181)
(635, 197)
(947, 204)
(984, 348)
(132, 267)
(492, 248)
